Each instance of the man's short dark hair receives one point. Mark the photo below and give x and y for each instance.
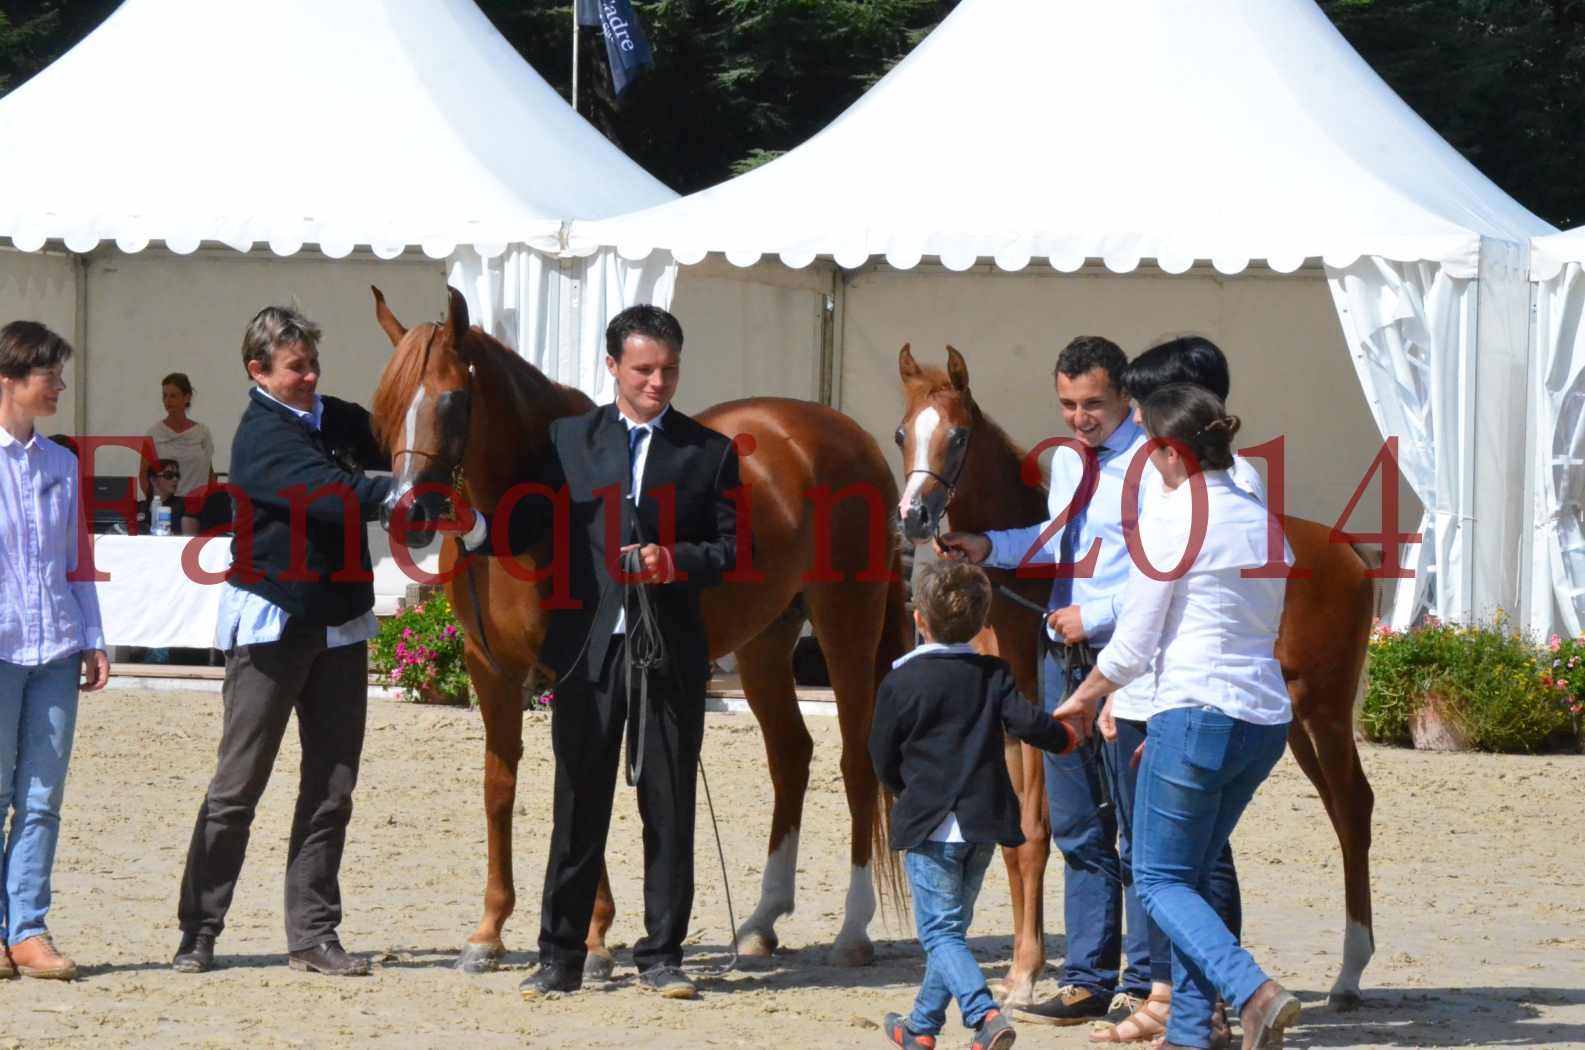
(26, 345)
(642, 319)
(1089, 352)
(1183, 359)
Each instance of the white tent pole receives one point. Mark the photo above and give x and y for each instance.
(574, 56)
(80, 344)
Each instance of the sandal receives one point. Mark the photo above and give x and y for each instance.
(1143, 1025)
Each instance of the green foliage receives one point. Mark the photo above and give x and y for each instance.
(419, 651)
(1493, 681)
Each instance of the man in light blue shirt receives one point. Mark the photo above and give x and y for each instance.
(1083, 609)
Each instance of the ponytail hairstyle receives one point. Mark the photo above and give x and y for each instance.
(1195, 417)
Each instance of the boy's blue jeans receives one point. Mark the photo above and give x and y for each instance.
(945, 879)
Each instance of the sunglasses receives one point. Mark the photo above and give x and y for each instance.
(168, 475)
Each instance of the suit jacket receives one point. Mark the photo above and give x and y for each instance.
(276, 456)
(683, 506)
(936, 742)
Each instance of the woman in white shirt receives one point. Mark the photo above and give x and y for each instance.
(1206, 631)
(187, 441)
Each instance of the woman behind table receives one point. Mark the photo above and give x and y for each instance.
(49, 634)
(186, 441)
(1221, 714)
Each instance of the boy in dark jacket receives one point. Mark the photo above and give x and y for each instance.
(937, 744)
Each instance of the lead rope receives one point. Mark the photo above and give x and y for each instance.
(645, 651)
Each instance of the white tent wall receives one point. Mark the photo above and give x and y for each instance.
(40, 286)
(153, 313)
(1291, 373)
(1557, 455)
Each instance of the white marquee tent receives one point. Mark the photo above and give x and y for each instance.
(1030, 155)
(192, 160)
(1557, 466)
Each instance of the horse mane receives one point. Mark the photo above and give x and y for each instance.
(499, 371)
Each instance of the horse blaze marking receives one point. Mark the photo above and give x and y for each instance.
(925, 424)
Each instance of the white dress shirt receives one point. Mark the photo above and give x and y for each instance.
(637, 482)
(1207, 638)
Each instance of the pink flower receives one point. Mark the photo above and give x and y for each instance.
(451, 630)
(1554, 643)
(407, 632)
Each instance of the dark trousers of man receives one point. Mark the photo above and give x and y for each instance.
(1221, 886)
(328, 688)
(586, 726)
(1095, 899)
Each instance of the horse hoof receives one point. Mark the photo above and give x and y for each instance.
(1012, 993)
(598, 967)
(480, 958)
(757, 944)
(852, 953)
(1344, 1001)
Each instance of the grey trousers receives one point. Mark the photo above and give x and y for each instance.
(328, 688)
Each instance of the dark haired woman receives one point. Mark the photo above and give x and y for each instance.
(1220, 718)
(50, 634)
(185, 440)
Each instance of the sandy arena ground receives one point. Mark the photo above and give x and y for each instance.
(1480, 911)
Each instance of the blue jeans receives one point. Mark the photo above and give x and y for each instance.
(38, 713)
(945, 879)
(1201, 769)
(1221, 885)
(1094, 901)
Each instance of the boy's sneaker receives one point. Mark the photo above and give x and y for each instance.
(994, 1033)
(897, 1034)
(1071, 1005)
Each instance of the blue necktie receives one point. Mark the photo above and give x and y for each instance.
(635, 442)
(1067, 546)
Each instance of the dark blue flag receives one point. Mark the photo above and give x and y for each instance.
(626, 49)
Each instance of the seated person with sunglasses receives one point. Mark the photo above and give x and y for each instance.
(162, 477)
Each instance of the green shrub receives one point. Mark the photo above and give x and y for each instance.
(1496, 684)
(419, 652)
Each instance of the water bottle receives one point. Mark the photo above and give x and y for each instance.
(159, 518)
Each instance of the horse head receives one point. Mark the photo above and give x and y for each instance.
(422, 413)
(934, 436)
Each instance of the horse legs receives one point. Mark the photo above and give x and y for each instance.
(848, 618)
(1329, 757)
(599, 963)
(765, 666)
(501, 708)
(1026, 874)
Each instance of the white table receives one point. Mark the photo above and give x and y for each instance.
(150, 600)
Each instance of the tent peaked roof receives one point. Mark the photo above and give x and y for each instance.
(358, 122)
(1221, 130)
(1548, 255)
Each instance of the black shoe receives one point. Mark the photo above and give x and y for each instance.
(669, 981)
(994, 1033)
(549, 980)
(330, 959)
(1071, 1005)
(196, 954)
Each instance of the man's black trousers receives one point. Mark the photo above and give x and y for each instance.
(586, 726)
(329, 690)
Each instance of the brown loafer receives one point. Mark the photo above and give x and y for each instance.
(8, 969)
(38, 957)
(1266, 1015)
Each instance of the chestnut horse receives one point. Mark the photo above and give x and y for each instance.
(963, 465)
(456, 406)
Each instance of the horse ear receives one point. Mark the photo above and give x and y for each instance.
(456, 318)
(382, 313)
(957, 369)
(907, 367)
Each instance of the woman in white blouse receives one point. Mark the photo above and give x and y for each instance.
(185, 440)
(1206, 630)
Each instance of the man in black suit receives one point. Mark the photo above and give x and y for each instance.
(649, 488)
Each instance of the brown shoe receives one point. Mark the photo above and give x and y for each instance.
(1265, 1015)
(37, 957)
(8, 969)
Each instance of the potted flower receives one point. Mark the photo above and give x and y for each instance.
(419, 652)
(1563, 671)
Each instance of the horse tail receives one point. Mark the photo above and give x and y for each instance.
(891, 886)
